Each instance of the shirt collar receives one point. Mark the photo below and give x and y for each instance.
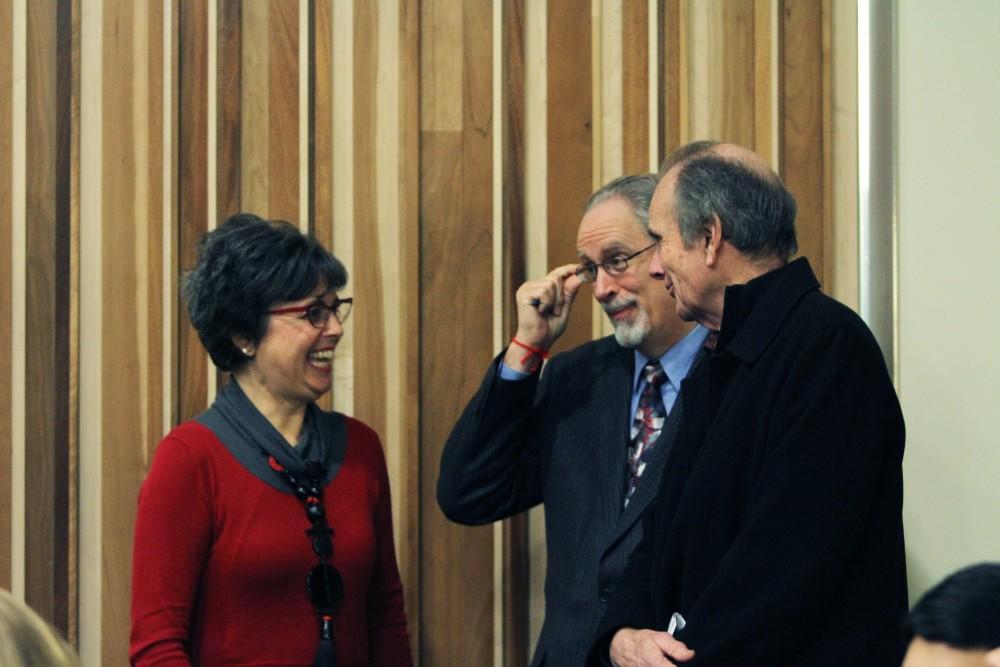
(676, 361)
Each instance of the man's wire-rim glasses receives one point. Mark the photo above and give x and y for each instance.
(615, 266)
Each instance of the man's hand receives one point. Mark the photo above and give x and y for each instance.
(647, 648)
(542, 311)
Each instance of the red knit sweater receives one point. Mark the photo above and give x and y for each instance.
(220, 561)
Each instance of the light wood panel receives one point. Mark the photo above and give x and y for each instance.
(570, 147)
(6, 276)
(229, 61)
(456, 293)
(47, 481)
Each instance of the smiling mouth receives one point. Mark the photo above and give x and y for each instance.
(321, 357)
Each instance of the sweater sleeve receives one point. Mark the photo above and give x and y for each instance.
(389, 640)
(172, 537)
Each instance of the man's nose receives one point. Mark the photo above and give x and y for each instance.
(605, 285)
(655, 265)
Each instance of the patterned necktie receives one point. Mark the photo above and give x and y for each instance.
(647, 424)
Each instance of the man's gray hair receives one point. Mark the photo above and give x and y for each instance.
(636, 190)
(756, 210)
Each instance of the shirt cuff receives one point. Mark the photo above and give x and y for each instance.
(508, 373)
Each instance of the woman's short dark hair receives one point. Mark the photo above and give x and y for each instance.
(244, 266)
(963, 611)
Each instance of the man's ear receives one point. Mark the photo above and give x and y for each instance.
(713, 241)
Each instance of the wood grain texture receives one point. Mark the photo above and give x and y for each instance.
(6, 277)
(456, 295)
(764, 83)
(367, 282)
(47, 305)
(321, 121)
(516, 627)
(670, 59)
(635, 86)
(6, 282)
(192, 205)
(69, 27)
(283, 111)
(228, 140)
(255, 108)
(803, 139)
(408, 488)
(569, 147)
(133, 378)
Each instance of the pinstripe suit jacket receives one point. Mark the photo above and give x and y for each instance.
(562, 441)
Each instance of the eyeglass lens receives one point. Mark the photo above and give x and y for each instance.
(319, 313)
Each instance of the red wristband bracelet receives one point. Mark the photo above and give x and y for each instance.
(532, 352)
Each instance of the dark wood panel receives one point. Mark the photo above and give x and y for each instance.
(515, 548)
(49, 71)
(284, 110)
(6, 288)
(369, 333)
(669, 58)
(227, 115)
(569, 147)
(802, 136)
(192, 193)
(635, 86)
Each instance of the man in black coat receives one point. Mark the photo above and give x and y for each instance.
(776, 538)
(564, 439)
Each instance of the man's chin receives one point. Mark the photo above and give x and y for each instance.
(629, 335)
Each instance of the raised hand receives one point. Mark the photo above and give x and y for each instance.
(543, 307)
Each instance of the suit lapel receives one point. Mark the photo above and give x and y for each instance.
(613, 387)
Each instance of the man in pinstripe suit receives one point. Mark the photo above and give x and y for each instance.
(564, 437)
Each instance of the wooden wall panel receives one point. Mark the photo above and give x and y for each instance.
(569, 147)
(804, 128)
(456, 293)
(134, 376)
(321, 122)
(283, 110)
(366, 284)
(516, 626)
(670, 58)
(6, 279)
(228, 133)
(47, 316)
(192, 205)
(635, 86)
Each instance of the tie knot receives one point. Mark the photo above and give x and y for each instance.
(654, 374)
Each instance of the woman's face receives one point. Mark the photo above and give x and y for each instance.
(293, 362)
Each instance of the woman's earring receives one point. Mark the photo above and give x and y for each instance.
(247, 351)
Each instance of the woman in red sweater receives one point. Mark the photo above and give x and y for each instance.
(264, 532)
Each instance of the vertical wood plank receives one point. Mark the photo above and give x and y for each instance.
(515, 539)
(255, 108)
(803, 143)
(6, 278)
(321, 121)
(456, 292)
(192, 205)
(49, 69)
(409, 490)
(763, 81)
(670, 59)
(369, 338)
(229, 64)
(570, 147)
(124, 336)
(733, 101)
(635, 86)
(283, 107)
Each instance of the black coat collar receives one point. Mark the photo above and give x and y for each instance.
(754, 312)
